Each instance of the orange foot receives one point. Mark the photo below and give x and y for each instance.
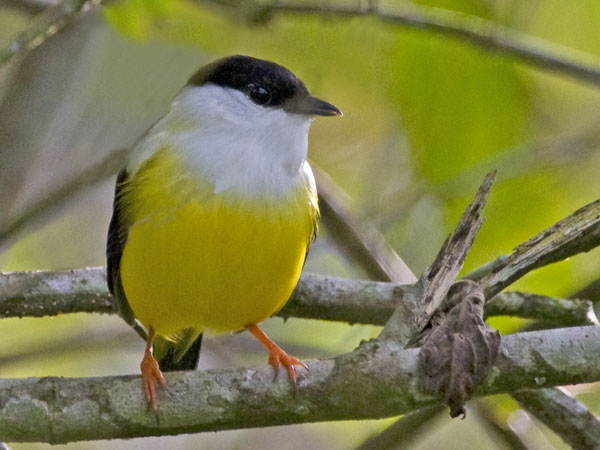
(278, 357)
(151, 374)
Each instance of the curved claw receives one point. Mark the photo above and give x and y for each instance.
(278, 357)
(151, 374)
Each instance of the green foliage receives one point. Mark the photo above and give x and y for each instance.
(425, 117)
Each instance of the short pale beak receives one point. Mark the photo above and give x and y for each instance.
(312, 106)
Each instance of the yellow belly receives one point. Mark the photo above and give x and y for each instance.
(215, 263)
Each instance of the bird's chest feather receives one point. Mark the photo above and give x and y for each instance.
(196, 258)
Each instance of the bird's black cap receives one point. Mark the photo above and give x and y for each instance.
(265, 83)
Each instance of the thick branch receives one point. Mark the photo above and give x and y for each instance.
(45, 293)
(374, 382)
(564, 415)
(473, 30)
(580, 232)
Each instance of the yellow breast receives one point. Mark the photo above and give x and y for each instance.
(195, 259)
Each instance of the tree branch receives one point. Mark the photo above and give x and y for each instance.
(580, 232)
(410, 317)
(45, 25)
(31, 7)
(540, 307)
(88, 177)
(564, 415)
(473, 30)
(49, 293)
(374, 384)
(354, 301)
(404, 433)
(356, 236)
(497, 427)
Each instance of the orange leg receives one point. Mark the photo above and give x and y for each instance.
(151, 372)
(277, 356)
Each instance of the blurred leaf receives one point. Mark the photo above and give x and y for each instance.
(458, 106)
(179, 21)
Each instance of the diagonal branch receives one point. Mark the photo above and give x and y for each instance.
(442, 273)
(357, 236)
(580, 232)
(105, 168)
(564, 415)
(31, 7)
(45, 25)
(476, 31)
(405, 432)
(360, 385)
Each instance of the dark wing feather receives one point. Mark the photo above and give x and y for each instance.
(180, 355)
(117, 236)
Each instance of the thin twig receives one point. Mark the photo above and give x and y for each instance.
(498, 427)
(404, 433)
(540, 307)
(45, 25)
(31, 7)
(59, 196)
(356, 236)
(591, 291)
(473, 30)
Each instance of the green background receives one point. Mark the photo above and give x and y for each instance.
(425, 118)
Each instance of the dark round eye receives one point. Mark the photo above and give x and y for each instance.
(259, 95)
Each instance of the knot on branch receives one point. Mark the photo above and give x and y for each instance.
(459, 348)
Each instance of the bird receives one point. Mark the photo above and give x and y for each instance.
(214, 213)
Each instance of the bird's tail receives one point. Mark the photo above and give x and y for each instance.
(181, 354)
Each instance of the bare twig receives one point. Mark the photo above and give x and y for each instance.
(49, 293)
(564, 415)
(94, 174)
(591, 291)
(44, 26)
(580, 232)
(359, 385)
(357, 236)
(31, 7)
(497, 427)
(404, 433)
(473, 30)
(540, 307)
(440, 275)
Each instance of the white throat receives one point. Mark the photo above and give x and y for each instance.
(228, 140)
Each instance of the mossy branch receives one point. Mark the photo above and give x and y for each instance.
(49, 293)
(377, 380)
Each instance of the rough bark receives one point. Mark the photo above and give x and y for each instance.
(375, 381)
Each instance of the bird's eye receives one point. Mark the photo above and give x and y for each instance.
(259, 95)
